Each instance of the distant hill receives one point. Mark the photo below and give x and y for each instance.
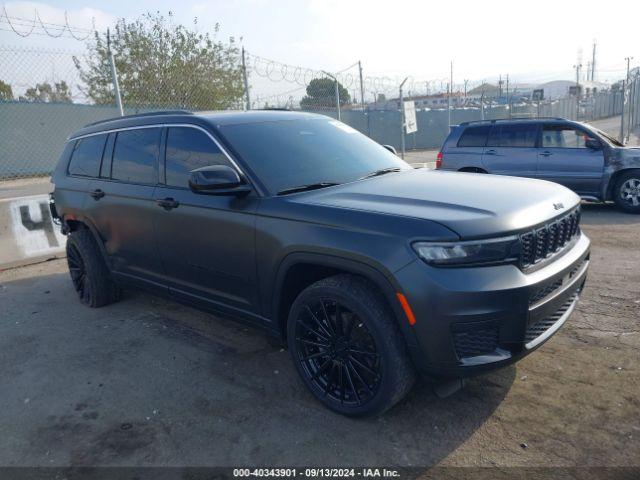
(488, 89)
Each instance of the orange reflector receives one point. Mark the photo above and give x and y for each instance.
(407, 309)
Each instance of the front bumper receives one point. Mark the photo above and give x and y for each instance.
(471, 320)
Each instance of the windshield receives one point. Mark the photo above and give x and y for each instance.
(292, 153)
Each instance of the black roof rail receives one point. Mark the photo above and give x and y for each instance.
(494, 120)
(142, 115)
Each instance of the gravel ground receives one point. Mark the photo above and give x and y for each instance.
(150, 382)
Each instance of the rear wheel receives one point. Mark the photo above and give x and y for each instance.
(626, 192)
(89, 273)
(347, 348)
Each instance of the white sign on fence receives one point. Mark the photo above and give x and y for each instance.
(410, 123)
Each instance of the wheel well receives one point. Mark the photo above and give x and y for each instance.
(302, 275)
(614, 179)
(72, 225)
(299, 277)
(472, 170)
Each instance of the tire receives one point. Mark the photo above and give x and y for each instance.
(358, 366)
(89, 273)
(626, 192)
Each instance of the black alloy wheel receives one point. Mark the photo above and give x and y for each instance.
(337, 352)
(346, 344)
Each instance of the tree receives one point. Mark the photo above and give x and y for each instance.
(161, 64)
(44, 92)
(321, 92)
(6, 93)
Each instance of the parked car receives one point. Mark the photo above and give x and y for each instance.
(372, 271)
(588, 161)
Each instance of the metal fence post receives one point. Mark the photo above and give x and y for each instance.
(114, 75)
(246, 83)
(402, 116)
(624, 86)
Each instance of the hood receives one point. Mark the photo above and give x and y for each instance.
(473, 205)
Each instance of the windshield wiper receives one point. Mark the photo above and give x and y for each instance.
(382, 171)
(304, 188)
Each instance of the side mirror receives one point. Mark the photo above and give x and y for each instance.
(217, 180)
(593, 144)
(391, 149)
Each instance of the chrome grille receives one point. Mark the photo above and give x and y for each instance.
(538, 244)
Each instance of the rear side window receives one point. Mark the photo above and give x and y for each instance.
(474, 136)
(523, 135)
(188, 149)
(135, 156)
(87, 155)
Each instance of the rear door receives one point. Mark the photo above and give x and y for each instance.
(564, 158)
(511, 149)
(121, 204)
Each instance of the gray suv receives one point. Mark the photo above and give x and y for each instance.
(588, 161)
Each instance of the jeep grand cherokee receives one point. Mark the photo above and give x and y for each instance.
(372, 271)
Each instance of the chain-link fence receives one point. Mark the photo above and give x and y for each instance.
(45, 95)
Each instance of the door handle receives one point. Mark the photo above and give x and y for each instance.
(167, 203)
(97, 194)
(546, 153)
(490, 152)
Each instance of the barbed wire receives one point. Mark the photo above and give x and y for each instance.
(50, 29)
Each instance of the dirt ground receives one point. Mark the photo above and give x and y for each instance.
(149, 382)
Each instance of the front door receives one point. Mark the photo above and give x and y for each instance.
(565, 158)
(207, 242)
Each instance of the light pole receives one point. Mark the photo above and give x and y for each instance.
(402, 116)
(335, 79)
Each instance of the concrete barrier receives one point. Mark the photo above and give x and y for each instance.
(27, 232)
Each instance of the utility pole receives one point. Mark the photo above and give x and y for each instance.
(246, 83)
(593, 62)
(500, 87)
(628, 60)
(466, 82)
(402, 119)
(449, 105)
(578, 66)
(450, 89)
(337, 90)
(361, 85)
(114, 75)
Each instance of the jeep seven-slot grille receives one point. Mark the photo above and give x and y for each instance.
(538, 244)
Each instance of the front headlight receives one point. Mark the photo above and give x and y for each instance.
(477, 252)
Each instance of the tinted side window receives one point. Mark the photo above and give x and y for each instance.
(87, 155)
(513, 136)
(474, 136)
(135, 155)
(188, 149)
(559, 136)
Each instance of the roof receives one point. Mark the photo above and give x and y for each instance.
(212, 118)
(516, 119)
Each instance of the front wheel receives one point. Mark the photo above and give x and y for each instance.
(626, 192)
(347, 347)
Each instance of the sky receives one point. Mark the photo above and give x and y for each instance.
(530, 41)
